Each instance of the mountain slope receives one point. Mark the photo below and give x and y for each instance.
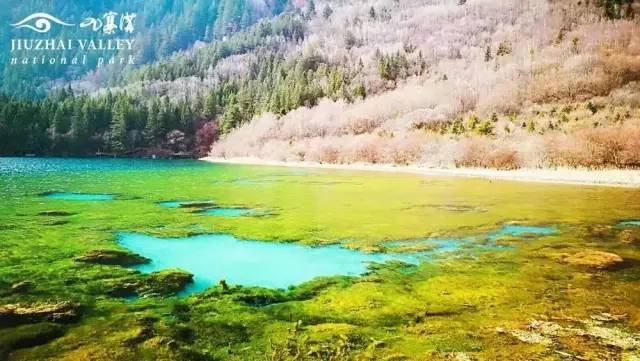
(476, 83)
(428, 82)
(161, 28)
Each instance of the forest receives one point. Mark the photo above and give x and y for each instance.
(314, 60)
(69, 122)
(162, 27)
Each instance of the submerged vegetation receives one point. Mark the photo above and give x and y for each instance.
(537, 271)
(112, 259)
(504, 85)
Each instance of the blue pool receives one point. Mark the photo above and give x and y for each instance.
(250, 263)
(70, 196)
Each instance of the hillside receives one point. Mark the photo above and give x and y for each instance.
(161, 27)
(477, 83)
(441, 83)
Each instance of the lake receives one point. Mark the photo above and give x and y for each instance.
(346, 252)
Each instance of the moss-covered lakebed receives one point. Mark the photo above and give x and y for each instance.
(504, 270)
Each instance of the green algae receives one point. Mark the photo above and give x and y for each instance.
(451, 306)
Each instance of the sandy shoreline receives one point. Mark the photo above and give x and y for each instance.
(612, 178)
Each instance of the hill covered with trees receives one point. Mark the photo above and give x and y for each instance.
(161, 27)
(454, 83)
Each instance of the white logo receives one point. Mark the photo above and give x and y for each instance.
(42, 24)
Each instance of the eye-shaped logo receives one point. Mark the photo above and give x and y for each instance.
(41, 22)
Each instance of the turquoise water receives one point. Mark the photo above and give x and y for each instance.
(211, 258)
(520, 230)
(70, 196)
(250, 263)
(630, 223)
(35, 166)
(439, 245)
(229, 212)
(442, 245)
(178, 204)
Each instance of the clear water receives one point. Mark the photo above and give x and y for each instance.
(211, 258)
(443, 245)
(69, 196)
(36, 166)
(440, 245)
(178, 204)
(515, 230)
(630, 223)
(229, 212)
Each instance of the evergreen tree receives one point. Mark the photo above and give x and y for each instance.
(186, 118)
(118, 128)
(211, 105)
(79, 126)
(152, 129)
(232, 117)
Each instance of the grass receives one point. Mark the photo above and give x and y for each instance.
(435, 310)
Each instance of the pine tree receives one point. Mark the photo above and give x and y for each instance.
(211, 105)
(79, 126)
(60, 121)
(186, 118)
(165, 117)
(231, 118)
(118, 128)
(360, 91)
(152, 128)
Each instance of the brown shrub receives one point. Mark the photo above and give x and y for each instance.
(405, 151)
(597, 148)
(367, 152)
(504, 159)
(361, 126)
(326, 154)
(480, 153)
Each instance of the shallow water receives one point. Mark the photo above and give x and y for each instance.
(630, 223)
(39, 166)
(516, 230)
(488, 254)
(179, 204)
(70, 196)
(229, 212)
(211, 258)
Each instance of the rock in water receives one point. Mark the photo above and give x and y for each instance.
(592, 259)
(56, 213)
(14, 314)
(627, 236)
(112, 257)
(167, 282)
(163, 283)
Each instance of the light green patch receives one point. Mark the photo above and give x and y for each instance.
(448, 306)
